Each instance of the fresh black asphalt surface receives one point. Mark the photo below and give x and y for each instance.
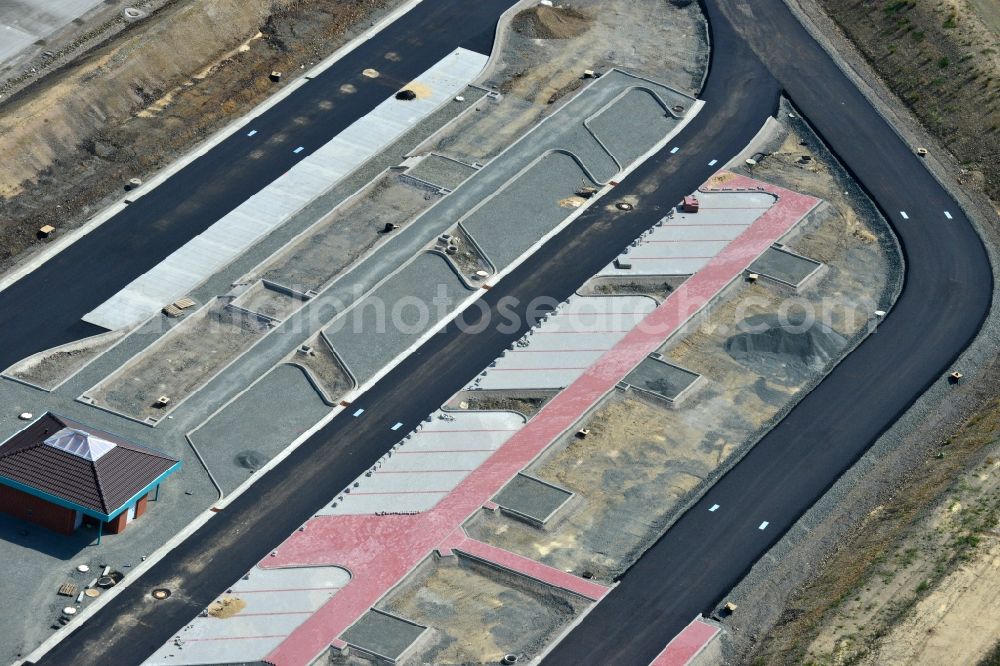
(945, 297)
(96, 267)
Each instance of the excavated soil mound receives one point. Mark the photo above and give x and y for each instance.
(543, 22)
(226, 607)
(784, 351)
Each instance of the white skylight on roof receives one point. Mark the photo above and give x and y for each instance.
(79, 443)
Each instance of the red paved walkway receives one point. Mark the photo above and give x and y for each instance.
(686, 645)
(380, 550)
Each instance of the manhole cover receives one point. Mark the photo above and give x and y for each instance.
(251, 460)
(624, 205)
(161, 593)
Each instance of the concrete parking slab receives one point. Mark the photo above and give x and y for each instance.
(682, 243)
(24, 22)
(249, 620)
(569, 341)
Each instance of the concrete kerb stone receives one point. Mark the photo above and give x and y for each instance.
(516, 572)
(204, 464)
(199, 521)
(160, 177)
(765, 133)
(502, 34)
(247, 275)
(357, 262)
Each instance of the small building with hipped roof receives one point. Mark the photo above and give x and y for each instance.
(60, 473)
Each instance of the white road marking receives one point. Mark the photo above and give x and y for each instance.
(359, 412)
(903, 213)
(947, 214)
(763, 525)
(674, 150)
(713, 162)
(251, 132)
(397, 426)
(299, 150)
(715, 507)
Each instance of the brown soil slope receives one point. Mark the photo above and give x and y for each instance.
(146, 96)
(943, 60)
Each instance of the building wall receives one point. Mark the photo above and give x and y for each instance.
(36, 510)
(141, 505)
(117, 525)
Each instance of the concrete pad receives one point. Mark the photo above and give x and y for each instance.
(786, 267)
(527, 208)
(664, 379)
(384, 635)
(532, 499)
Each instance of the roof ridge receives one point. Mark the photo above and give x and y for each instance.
(100, 488)
(14, 451)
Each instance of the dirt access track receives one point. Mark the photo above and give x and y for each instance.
(135, 103)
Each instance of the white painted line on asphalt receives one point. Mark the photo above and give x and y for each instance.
(674, 150)
(298, 150)
(396, 427)
(763, 525)
(903, 213)
(713, 162)
(715, 507)
(947, 214)
(359, 412)
(251, 132)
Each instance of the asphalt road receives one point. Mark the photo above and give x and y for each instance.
(946, 295)
(90, 271)
(704, 554)
(131, 627)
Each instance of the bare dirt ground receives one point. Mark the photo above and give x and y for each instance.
(658, 288)
(335, 242)
(479, 613)
(148, 95)
(268, 302)
(915, 582)
(942, 60)
(584, 34)
(467, 259)
(927, 600)
(329, 372)
(52, 367)
(502, 401)
(180, 362)
(878, 573)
